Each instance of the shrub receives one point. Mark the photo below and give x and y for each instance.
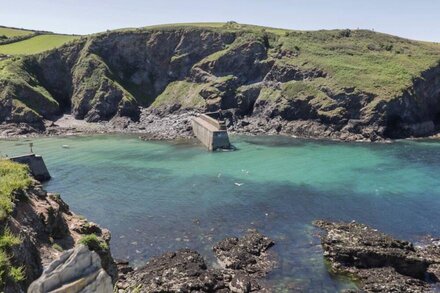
(8, 239)
(13, 177)
(93, 242)
(16, 274)
(345, 33)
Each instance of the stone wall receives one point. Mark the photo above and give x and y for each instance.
(36, 166)
(211, 136)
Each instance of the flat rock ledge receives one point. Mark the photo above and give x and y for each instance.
(243, 261)
(77, 270)
(378, 262)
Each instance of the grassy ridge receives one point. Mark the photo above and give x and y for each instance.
(36, 44)
(13, 32)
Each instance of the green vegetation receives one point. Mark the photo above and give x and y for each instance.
(8, 239)
(36, 44)
(14, 32)
(376, 65)
(17, 274)
(184, 92)
(13, 178)
(58, 247)
(371, 62)
(93, 242)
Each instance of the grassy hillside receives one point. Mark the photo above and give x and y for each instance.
(36, 44)
(13, 32)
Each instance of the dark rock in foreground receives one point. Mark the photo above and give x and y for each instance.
(380, 262)
(244, 262)
(247, 253)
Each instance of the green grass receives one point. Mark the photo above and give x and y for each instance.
(13, 32)
(93, 242)
(8, 239)
(13, 177)
(36, 44)
(183, 92)
(371, 62)
(57, 247)
(17, 274)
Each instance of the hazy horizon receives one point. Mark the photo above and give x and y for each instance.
(408, 19)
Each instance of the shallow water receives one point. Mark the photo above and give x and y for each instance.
(157, 197)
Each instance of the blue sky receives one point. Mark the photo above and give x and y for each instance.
(412, 19)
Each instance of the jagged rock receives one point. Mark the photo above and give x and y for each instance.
(77, 270)
(380, 262)
(247, 253)
(46, 227)
(180, 271)
(186, 271)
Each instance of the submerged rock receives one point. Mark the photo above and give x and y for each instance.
(247, 253)
(244, 261)
(77, 270)
(380, 262)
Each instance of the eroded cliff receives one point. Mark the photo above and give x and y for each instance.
(344, 84)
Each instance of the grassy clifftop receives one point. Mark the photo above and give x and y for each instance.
(14, 41)
(329, 76)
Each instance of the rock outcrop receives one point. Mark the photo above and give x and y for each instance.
(77, 270)
(377, 261)
(47, 227)
(244, 262)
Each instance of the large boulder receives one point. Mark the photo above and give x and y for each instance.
(77, 270)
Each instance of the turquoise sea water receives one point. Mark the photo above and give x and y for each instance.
(157, 196)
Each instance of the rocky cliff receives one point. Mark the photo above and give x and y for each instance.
(45, 228)
(344, 84)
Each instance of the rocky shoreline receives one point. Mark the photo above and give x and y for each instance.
(167, 124)
(155, 125)
(379, 262)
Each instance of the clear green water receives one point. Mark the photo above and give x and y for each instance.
(157, 197)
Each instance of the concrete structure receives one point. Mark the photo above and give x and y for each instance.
(211, 131)
(36, 166)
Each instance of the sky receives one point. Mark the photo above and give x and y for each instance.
(417, 19)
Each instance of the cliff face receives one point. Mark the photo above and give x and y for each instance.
(342, 83)
(46, 228)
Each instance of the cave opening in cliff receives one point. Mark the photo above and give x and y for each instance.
(436, 121)
(394, 127)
